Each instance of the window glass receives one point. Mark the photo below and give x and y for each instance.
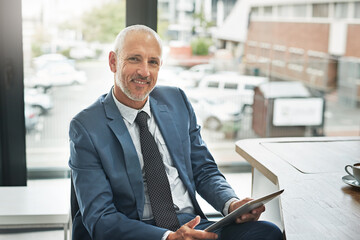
(213, 84)
(65, 63)
(255, 11)
(230, 86)
(285, 11)
(268, 11)
(341, 10)
(249, 87)
(270, 53)
(357, 10)
(320, 10)
(65, 70)
(300, 10)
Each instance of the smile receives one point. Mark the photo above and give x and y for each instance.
(140, 82)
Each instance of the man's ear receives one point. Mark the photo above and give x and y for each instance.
(112, 61)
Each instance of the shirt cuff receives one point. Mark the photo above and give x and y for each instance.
(166, 234)
(227, 205)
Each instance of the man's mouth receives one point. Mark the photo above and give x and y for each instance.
(141, 81)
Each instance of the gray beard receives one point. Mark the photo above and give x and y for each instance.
(128, 93)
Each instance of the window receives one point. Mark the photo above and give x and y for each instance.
(279, 56)
(266, 56)
(320, 10)
(163, 8)
(341, 10)
(296, 59)
(213, 84)
(255, 11)
(249, 87)
(60, 71)
(264, 52)
(300, 10)
(285, 11)
(357, 10)
(268, 11)
(317, 63)
(230, 86)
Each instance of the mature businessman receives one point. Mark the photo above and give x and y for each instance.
(139, 137)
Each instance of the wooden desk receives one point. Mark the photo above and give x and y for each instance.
(316, 203)
(42, 204)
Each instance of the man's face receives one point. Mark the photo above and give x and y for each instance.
(136, 69)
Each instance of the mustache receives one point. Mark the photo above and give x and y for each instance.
(139, 77)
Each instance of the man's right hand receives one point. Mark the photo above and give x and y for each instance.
(187, 232)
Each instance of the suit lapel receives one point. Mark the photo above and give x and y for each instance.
(133, 168)
(171, 136)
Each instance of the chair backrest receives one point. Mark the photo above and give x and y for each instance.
(78, 229)
(73, 201)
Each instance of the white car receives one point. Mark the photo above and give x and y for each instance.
(197, 72)
(45, 59)
(31, 117)
(37, 99)
(215, 115)
(170, 76)
(57, 74)
(231, 86)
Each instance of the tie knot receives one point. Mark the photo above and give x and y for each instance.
(141, 119)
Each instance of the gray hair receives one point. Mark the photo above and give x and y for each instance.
(119, 41)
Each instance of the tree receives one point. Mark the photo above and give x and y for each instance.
(102, 24)
(203, 24)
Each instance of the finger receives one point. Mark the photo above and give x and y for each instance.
(258, 210)
(200, 234)
(193, 223)
(247, 217)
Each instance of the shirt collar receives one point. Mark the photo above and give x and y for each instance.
(128, 113)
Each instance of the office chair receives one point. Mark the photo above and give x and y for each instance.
(73, 201)
(80, 232)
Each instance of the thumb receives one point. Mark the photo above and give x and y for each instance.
(193, 223)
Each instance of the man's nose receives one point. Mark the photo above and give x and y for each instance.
(144, 70)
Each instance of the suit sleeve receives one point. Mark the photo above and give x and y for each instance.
(209, 182)
(99, 214)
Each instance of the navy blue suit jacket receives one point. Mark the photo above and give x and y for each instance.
(106, 169)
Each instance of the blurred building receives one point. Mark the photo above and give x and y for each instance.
(315, 42)
(180, 16)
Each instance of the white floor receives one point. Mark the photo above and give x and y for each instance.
(241, 182)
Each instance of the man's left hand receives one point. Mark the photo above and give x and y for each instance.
(251, 216)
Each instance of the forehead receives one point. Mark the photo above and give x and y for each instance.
(141, 43)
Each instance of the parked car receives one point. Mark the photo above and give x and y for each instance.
(216, 115)
(31, 117)
(170, 76)
(230, 86)
(38, 100)
(56, 74)
(82, 53)
(196, 73)
(45, 59)
(32, 82)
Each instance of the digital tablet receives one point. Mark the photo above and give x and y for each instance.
(246, 208)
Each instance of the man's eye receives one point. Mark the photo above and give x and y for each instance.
(133, 59)
(153, 62)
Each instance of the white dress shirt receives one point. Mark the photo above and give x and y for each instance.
(179, 192)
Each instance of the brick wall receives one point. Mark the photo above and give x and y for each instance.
(353, 41)
(303, 37)
(310, 36)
